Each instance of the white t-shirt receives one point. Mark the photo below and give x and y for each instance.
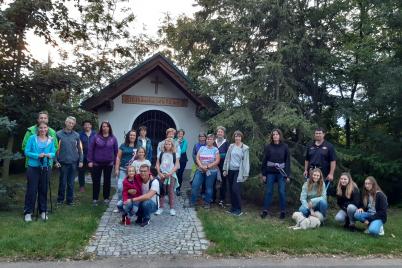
(138, 163)
(167, 164)
(144, 142)
(154, 186)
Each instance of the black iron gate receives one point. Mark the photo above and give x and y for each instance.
(156, 122)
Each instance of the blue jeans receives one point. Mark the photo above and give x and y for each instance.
(271, 179)
(199, 178)
(374, 226)
(145, 209)
(120, 179)
(342, 215)
(321, 206)
(130, 208)
(67, 176)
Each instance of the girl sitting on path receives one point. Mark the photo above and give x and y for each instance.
(166, 165)
(140, 160)
(348, 199)
(131, 189)
(374, 211)
(314, 195)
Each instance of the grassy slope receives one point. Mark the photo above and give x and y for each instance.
(250, 234)
(64, 235)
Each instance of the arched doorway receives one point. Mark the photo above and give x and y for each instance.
(156, 122)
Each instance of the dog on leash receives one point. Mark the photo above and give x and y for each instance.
(304, 223)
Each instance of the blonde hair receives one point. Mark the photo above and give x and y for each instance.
(173, 150)
(320, 182)
(374, 189)
(349, 187)
(170, 130)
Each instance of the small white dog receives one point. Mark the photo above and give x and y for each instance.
(303, 223)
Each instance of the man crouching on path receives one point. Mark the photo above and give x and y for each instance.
(150, 196)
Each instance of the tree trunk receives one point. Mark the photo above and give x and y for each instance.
(348, 132)
(6, 163)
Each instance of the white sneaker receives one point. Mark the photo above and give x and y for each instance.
(43, 216)
(28, 218)
(172, 212)
(381, 231)
(366, 231)
(159, 211)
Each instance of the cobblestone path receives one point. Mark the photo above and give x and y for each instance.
(165, 235)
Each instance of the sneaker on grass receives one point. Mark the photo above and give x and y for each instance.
(381, 231)
(264, 214)
(237, 213)
(28, 217)
(44, 216)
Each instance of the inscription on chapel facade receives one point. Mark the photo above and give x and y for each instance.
(133, 99)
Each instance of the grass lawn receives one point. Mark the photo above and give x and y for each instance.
(249, 234)
(64, 235)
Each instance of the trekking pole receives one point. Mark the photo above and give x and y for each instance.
(50, 190)
(37, 194)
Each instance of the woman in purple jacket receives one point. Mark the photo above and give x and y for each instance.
(102, 153)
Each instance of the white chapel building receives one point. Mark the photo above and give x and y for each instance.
(155, 94)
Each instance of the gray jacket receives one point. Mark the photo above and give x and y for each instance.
(70, 149)
(244, 169)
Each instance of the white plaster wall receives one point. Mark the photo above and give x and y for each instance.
(123, 115)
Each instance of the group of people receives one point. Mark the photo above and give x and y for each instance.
(370, 207)
(217, 161)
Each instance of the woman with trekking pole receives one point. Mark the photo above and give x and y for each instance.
(40, 151)
(275, 168)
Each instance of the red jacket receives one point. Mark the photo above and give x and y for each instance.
(134, 184)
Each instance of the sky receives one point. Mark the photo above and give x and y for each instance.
(149, 15)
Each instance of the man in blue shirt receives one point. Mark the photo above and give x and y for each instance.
(85, 136)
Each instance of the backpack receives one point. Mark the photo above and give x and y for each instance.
(161, 188)
(160, 158)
